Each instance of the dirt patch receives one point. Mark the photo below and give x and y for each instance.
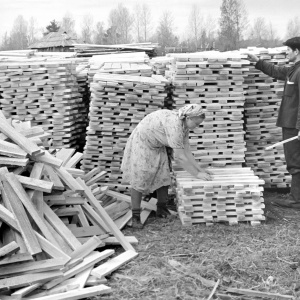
(177, 262)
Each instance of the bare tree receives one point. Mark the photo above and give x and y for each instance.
(19, 34)
(6, 42)
(99, 35)
(293, 28)
(146, 22)
(121, 20)
(259, 30)
(68, 23)
(165, 31)
(142, 22)
(87, 28)
(233, 22)
(195, 25)
(33, 30)
(137, 23)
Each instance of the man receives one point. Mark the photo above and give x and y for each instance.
(289, 113)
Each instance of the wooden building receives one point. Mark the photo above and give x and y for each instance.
(59, 41)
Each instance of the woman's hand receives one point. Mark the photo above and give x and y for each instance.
(203, 176)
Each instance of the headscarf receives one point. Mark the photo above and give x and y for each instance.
(190, 110)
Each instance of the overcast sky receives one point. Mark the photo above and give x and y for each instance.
(276, 11)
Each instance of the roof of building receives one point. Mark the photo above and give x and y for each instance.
(55, 39)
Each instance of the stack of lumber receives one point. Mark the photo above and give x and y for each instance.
(33, 55)
(161, 64)
(45, 93)
(263, 97)
(88, 50)
(135, 64)
(216, 81)
(118, 104)
(233, 195)
(52, 222)
(83, 89)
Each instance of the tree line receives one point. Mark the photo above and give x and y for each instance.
(230, 30)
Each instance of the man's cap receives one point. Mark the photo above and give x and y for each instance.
(293, 42)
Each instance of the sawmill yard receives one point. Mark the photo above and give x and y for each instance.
(65, 212)
(177, 262)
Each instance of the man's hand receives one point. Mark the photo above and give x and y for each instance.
(299, 135)
(252, 57)
(203, 176)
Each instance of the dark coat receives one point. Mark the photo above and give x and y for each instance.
(289, 111)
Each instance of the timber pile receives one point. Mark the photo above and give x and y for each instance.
(118, 104)
(45, 93)
(135, 64)
(233, 195)
(161, 64)
(88, 50)
(216, 81)
(52, 221)
(263, 97)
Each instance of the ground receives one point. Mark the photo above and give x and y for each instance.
(177, 262)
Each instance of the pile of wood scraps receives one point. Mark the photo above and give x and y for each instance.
(263, 97)
(216, 81)
(45, 93)
(54, 220)
(118, 104)
(233, 195)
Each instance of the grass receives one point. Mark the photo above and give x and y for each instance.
(177, 262)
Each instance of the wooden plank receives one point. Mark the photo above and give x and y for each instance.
(49, 159)
(26, 231)
(11, 150)
(87, 231)
(28, 279)
(35, 184)
(122, 221)
(19, 139)
(22, 195)
(26, 290)
(126, 198)
(114, 263)
(113, 241)
(7, 217)
(9, 249)
(16, 258)
(14, 161)
(75, 172)
(94, 217)
(90, 245)
(79, 294)
(52, 250)
(96, 178)
(65, 154)
(252, 293)
(74, 160)
(32, 267)
(146, 212)
(61, 228)
(90, 174)
(68, 179)
(106, 219)
(81, 216)
(89, 261)
(57, 184)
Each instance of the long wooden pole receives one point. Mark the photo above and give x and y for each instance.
(282, 142)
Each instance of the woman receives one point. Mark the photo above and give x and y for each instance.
(146, 164)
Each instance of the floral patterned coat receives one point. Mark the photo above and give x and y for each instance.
(145, 162)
